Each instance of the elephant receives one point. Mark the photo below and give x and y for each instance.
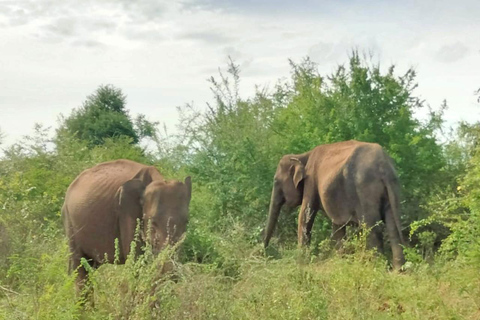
(351, 182)
(104, 202)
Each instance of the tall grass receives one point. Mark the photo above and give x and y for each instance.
(244, 283)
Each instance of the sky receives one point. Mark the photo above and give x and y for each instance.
(54, 53)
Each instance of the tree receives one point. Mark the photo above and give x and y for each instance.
(104, 115)
(230, 147)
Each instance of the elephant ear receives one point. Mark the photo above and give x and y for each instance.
(298, 171)
(129, 208)
(148, 174)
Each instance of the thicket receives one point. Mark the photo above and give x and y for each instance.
(231, 149)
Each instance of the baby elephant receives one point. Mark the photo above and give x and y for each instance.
(104, 203)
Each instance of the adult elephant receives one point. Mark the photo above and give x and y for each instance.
(351, 182)
(104, 202)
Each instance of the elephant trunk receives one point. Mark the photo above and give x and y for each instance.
(276, 203)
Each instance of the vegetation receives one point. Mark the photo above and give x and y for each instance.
(104, 115)
(231, 151)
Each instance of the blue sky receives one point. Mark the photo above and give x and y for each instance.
(56, 52)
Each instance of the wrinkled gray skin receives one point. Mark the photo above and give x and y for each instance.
(104, 202)
(350, 182)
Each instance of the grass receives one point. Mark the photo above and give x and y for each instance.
(249, 285)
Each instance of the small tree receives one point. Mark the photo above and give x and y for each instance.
(103, 115)
(230, 147)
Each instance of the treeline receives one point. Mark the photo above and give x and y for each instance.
(231, 150)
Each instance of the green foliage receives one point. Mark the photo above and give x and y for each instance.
(104, 115)
(232, 158)
(464, 239)
(453, 223)
(45, 290)
(145, 128)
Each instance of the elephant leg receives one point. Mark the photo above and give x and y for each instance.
(371, 218)
(76, 265)
(84, 291)
(394, 237)
(369, 213)
(127, 227)
(306, 218)
(82, 274)
(310, 222)
(338, 234)
(375, 237)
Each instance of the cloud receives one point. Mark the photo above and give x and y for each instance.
(24, 12)
(63, 27)
(243, 60)
(88, 43)
(148, 35)
(87, 24)
(209, 37)
(146, 10)
(77, 30)
(326, 51)
(255, 7)
(452, 52)
(14, 16)
(233, 52)
(100, 24)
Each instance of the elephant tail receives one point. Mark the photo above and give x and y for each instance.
(390, 181)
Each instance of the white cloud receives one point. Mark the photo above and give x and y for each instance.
(209, 37)
(56, 52)
(452, 52)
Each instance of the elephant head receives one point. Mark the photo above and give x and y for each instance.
(287, 189)
(160, 204)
